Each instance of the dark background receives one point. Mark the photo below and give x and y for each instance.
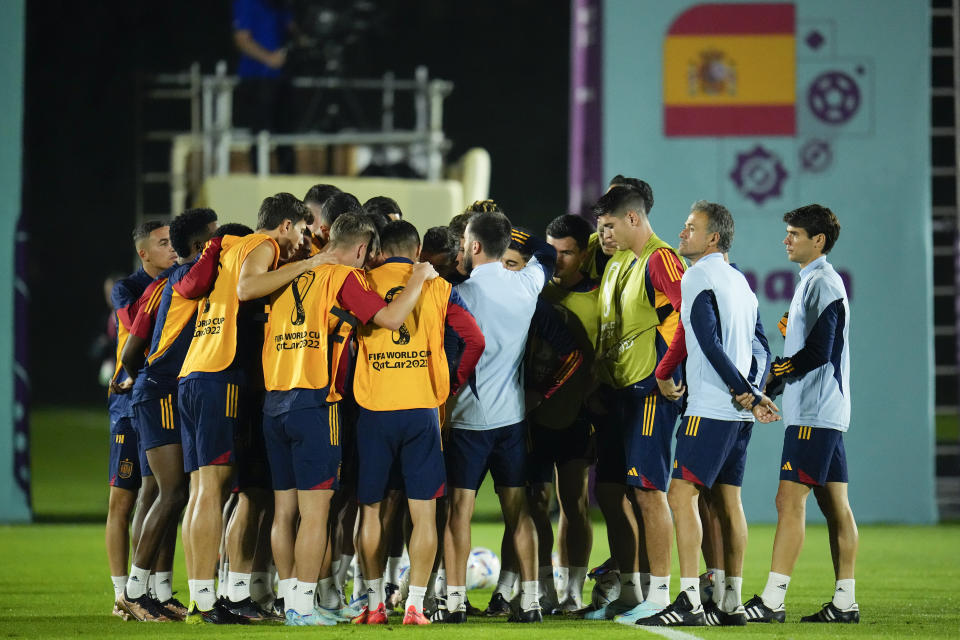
(508, 60)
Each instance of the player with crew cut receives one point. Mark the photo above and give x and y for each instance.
(814, 377)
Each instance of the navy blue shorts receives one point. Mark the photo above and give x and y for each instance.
(127, 459)
(648, 420)
(813, 456)
(550, 448)
(303, 447)
(399, 444)
(502, 451)
(157, 421)
(209, 412)
(711, 451)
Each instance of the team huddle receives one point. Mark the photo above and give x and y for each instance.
(310, 398)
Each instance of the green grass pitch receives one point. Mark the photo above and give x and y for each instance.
(54, 581)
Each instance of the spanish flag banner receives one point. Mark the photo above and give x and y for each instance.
(730, 70)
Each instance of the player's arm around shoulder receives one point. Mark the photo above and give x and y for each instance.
(392, 315)
(258, 277)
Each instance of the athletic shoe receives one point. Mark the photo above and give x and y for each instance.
(439, 612)
(454, 617)
(250, 610)
(312, 619)
(757, 611)
(219, 614)
(412, 616)
(570, 605)
(143, 609)
(679, 614)
(377, 616)
(391, 594)
(717, 617)
(549, 605)
(469, 609)
(498, 606)
(830, 613)
(360, 618)
(643, 610)
(608, 611)
(528, 615)
(340, 614)
(175, 609)
(278, 608)
(123, 615)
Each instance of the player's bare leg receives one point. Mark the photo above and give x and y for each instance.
(712, 546)
(574, 531)
(423, 540)
(622, 531)
(683, 496)
(791, 526)
(457, 546)
(145, 498)
(312, 538)
(657, 526)
(242, 540)
(207, 524)
(844, 537)
(539, 496)
(187, 522)
(733, 524)
(516, 514)
(283, 535)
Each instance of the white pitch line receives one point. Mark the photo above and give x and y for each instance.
(670, 633)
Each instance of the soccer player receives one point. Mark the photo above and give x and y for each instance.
(488, 428)
(440, 248)
(401, 380)
(552, 358)
(384, 206)
(127, 464)
(319, 229)
(157, 419)
(720, 313)
(300, 412)
(639, 302)
(814, 377)
(215, 380)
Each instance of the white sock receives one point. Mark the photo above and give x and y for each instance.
(630, 592)
(138, 582)
(284, 588)
(547, 585)
(455, 596)
(731, 594)
(238, 586)
(261, 587)
(441, 585)
(691, 587)
(578, 575)
(204, 593)
(302, 598)
(563, 577)
(659, 591)
(644, 585)
(342, 569)
(358, 588)
(776, 590)
(327, 594)
(415, 598)
(529, 595)
(374, 589)
(163, 587)
(719, 582)
(222, 573)
(119, 583)
(845, 594)
(506, 583)
(392, 574)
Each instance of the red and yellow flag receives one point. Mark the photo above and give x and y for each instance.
(730, 70)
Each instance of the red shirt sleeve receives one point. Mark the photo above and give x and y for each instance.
(464, 324)
(146, 314)
(357, 298)
(665, 272)
(197, 282)
(674, 355)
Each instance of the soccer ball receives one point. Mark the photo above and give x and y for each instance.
(483, 569)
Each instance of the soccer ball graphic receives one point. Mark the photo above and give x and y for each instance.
(483, 569)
